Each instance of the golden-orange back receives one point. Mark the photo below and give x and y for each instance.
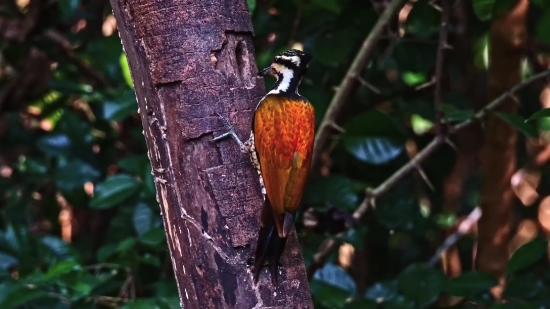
(284, 129)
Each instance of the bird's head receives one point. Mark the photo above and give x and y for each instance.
(288, 67)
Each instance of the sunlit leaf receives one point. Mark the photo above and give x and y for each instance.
(114, 190)
(414, 78)
(527, 255)
(126, 70)
(420, 125)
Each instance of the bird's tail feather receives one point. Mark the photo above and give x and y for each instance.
(270, 246)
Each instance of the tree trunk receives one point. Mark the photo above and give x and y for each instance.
(189, 60)
(507, 39)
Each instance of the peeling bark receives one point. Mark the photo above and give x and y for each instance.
(507, 39)
(189, 60)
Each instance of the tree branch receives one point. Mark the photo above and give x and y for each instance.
(345, 89)
(372, 194)
(439, 65)
(463, 228)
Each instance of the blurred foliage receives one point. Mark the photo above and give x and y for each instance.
(71, 146)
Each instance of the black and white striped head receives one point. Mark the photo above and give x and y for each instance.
(288, 67)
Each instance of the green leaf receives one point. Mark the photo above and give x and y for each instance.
(106, 252)
(398, 212)
(336, 190)
(400, 302)
(362, 304)
(491, 9)
(519, 123)
(74, 175)
(114, 190)
(137, 165)
(542, 31)
(21, 295)
(414, 78)
(373, 150)
(383, 291)
(423, 20)
(61, 268)
(540, 3)
(543, 113)
(54, 144)
(336, 276)
(251, 6)
(149, 259)
(452, 113)
(7, 261)
(153, 237)
(420, 125)
(329, 5)
(126, 244)
(141, 304)
(57, 247)
(142, 218)
(118, 110)
(126, 70)
(525, 286)
(421, 283)
(470, 284)
(328, 295)
(527, 255)
(373, 138)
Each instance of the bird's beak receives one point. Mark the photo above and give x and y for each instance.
(266, 71)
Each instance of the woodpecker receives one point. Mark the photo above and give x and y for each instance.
(280, 148)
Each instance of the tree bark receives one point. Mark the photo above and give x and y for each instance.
(189, 60)
(507, 38)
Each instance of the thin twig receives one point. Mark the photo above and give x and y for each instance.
(439, 65)
(372, 194)
(463, 228)
(296, 23)
(349, 82)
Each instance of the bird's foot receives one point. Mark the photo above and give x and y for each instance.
(230, 131)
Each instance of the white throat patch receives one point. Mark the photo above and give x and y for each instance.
(287, 76)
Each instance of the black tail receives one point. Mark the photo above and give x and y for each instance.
(270, 246)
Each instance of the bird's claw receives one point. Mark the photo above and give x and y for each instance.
(225, 122)
(230, 131)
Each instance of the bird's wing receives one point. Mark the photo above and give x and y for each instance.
(283, 137)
